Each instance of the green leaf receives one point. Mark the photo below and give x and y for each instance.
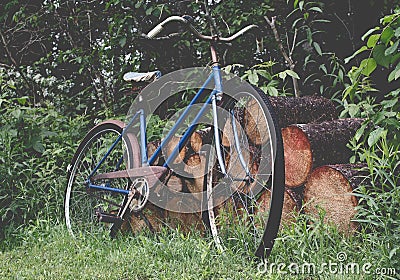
(316, 9)
(253, 78)
(388, 18)
(393, 48)
(22, 100)
(372, 40)
(360, 50)
(317, 48)
(387, 35)
(272, 91)
(38, 147)
(393, 252)
(368, 65)
(397, 32)
(17, 113)
(149, 11)
(301, 5)
(293, 74)
(369, 32)
(353, 110)
(394, 75)
(379, 55)
(375, 135)
(360, 132)
(323, 68)
(122, 42)
(295, 22)
(11, 86)
(389, 103)
(282, 75)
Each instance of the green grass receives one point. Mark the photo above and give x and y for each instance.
(49, 252)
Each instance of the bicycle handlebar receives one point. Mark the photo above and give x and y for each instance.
(159, 27)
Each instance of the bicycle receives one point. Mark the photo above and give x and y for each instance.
(111, 176)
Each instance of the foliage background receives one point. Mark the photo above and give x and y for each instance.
(61, 67)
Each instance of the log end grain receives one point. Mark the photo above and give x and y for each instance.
(289, 209)
(328, 189)
(298, 156)
(255, 125)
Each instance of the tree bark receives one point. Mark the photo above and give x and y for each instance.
(306, 109)
(307, 146)
(330, 187)
(289, 110)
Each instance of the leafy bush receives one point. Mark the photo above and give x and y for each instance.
(37, 145)
(377, 143)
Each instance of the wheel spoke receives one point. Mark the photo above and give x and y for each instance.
(242, 218)
(81, 204)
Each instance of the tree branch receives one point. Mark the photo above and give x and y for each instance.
(288, 58)
(16, 65)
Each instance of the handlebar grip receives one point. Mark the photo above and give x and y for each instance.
(154, 32)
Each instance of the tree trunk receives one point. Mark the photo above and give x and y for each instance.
(307, 146)
(306, 109)
(330, 187)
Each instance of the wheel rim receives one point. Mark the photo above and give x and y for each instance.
(241, 219)
(80, 206)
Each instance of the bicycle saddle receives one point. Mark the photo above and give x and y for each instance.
(141, 77)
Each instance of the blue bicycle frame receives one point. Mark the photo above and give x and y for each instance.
(214, 96)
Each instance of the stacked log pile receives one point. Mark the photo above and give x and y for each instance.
(318, 176)
(317, 173)
(188, 177)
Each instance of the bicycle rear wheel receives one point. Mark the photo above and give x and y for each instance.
(81, 205)
(245, 203)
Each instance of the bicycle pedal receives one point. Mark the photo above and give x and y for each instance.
(108, 218)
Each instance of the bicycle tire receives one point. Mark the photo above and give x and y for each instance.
(80, 206)
(249, 217)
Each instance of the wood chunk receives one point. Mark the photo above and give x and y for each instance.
(307, 146)
(200, 138)
(330, 188)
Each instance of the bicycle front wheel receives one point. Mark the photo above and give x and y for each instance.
(245, 196)
(81, 205)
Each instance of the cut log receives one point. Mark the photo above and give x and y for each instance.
(289, 208)
(195, 169)
(201, 137)
(330, 188)
(137, 223)
(227, 134)
(171, 146)
(289, 110)
(255, 124)
(307, 146)
(183, 220)
(306, 109)
(151, 148)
